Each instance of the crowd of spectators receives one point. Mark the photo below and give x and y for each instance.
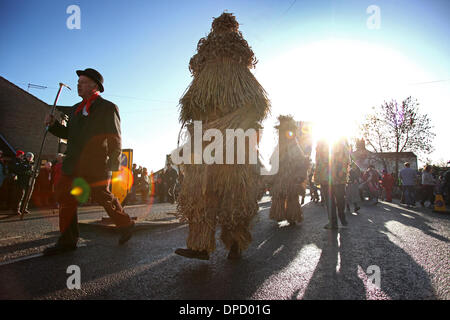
(162, 186)
(15, 175)
(410, 185)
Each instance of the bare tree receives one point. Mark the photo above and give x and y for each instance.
(398, 127)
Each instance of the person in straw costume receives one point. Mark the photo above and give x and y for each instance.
(223, 95)
(332, 163)
(289, 183)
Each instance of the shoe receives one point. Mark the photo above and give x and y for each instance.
(26, 211)
(193, 254)
(235, 252)
(126, 233)
(17, 212)
(329, 226)
(357, 209)
(59, 249)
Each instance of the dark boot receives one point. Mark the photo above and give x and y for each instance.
(331, 226)
(193, 254)
(126, 233)
(235, 252)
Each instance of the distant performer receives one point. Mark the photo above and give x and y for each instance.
(93, 152)
(289, 183)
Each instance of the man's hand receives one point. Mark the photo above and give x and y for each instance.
(50, 120)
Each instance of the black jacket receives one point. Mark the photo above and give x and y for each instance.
(23, 170)
(93, 142)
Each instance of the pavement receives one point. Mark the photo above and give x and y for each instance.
(39, 229)
(406, 249)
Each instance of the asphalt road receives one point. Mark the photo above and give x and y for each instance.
(410, 248)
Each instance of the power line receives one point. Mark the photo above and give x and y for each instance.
(292, 4)
(29, 85)
(418, 83)
(137, 98)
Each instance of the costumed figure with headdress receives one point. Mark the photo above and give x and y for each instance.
(290, 181)
(223, 95)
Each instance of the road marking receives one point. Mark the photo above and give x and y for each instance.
(37, 255)
(21, 259)
(10, 238)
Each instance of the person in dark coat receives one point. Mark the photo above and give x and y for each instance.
(169, 180)
(22, 169)
(93, 152)
(3, 180)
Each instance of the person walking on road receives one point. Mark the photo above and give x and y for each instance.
(387, 182)
(23, 169)
(446, 186)
(93, 151)
(331, 172)
(289, 182)
(372, 183)
(408, 177)
(224, 95)
(352, 191)
(428, 184)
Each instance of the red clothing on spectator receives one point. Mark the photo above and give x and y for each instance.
(56, 173)
(387, 181)
(44, 187)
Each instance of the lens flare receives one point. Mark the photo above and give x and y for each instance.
(121, 183)
(76, 191)
(81, 190)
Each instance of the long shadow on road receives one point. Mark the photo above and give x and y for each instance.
(376, 238)
(309, 262)
(291, 262)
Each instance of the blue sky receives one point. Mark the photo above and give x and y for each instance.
(143, 48)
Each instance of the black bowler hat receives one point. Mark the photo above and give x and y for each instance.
(94, 75)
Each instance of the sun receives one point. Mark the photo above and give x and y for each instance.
(334, 83)
(330, 131)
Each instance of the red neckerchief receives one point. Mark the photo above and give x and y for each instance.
(87, 102)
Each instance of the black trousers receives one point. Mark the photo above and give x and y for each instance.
(68, 204)
(334, 199)
(427, 194)
(19, 196)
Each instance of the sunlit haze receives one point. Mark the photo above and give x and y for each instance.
(318, 60)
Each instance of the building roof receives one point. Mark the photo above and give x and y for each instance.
(63, 109)
(22, 120)
(23, 92)
(385, 154)
(395, 154)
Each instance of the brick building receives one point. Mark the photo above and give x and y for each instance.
(22, 123)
